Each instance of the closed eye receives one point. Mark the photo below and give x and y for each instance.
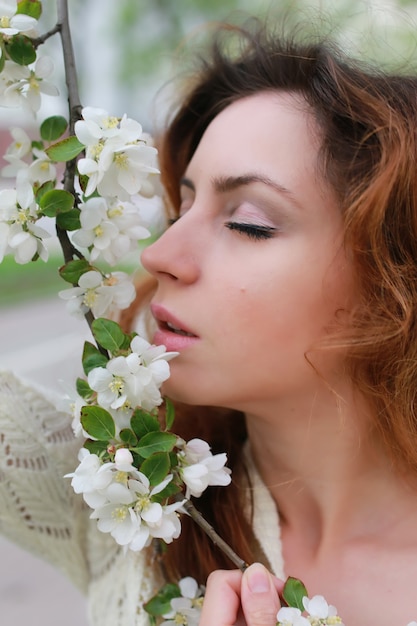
(253, 231)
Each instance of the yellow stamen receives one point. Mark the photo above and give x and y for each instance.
(95, 151)
(110, 281)
(90, 298)
(119, 513)
(121, 160)
(33, 82)
(121, 477)
(117, 385)
(142, 504)
(115, 212)
(111, 122)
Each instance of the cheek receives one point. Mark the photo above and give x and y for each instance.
(300, 306)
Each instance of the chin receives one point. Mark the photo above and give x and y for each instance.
(185, 393)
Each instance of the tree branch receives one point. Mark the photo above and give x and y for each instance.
(69, 64)
(189, 507)
(37, 41)
(75, 107)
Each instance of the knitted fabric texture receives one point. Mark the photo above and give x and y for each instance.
(40, 512)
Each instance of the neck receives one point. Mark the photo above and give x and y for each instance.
(325, 468)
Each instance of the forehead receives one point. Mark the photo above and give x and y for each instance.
(273, 132)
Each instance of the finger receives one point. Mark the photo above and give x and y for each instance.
(259, 596)
(222, 599)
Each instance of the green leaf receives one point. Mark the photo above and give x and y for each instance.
(156, 442)
(92, 358)
(169, 414)
(161, 602)
(21, 50)
(69, 220)
(173, 459)
(37, 143)
(83, 389)
(73, 270)
(156, 467)
(48, 186)
(128, 340)
(98, 423)
(143, 423)
(83, 180)
(108, 334)
(294, 592)
(128, 436)
(3, 55)
(65, 150)
(33, 8)
(95, 447)
(53, 127)
(56, 201)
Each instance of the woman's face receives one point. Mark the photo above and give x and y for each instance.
(253, 274)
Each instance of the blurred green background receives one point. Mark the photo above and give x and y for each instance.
(127, 51)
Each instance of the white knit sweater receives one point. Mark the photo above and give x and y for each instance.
(40, 512)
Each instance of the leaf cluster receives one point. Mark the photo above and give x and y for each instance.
(151, 445)
(160, 604)
(20, 48)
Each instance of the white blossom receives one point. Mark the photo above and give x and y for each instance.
(110, 228)
(128, 512)
(22, 86)
(317, 607)
(118, 159)
(319, 612)
(21, 144)
(199, 468)
(91, 474)
(133, 380)
(98, 293)
(12, 23)
(41, 169)
(289, 616)
(19, 233)
(128, 171)
(37, 172)
(185, 609)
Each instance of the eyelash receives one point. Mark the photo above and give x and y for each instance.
(253, 231)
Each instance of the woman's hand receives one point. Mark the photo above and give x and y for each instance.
(236, 599)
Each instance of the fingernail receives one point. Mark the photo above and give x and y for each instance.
(258, 578)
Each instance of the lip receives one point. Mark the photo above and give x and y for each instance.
(173, 341)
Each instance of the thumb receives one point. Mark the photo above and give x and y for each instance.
(260, 600)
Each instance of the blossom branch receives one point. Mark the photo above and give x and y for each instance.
(74, 103)
(37, 41)
(69, 64)
(196, 516)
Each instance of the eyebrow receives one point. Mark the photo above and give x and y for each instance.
(224, 184)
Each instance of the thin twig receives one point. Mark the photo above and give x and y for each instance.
(74, 105)
(189, 507)
(37, 41)
(69, 64)
(75, 108)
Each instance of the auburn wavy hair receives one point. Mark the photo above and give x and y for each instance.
(368, 121)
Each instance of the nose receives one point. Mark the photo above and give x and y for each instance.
(174, 255)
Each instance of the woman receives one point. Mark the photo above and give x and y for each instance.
(288, 286)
